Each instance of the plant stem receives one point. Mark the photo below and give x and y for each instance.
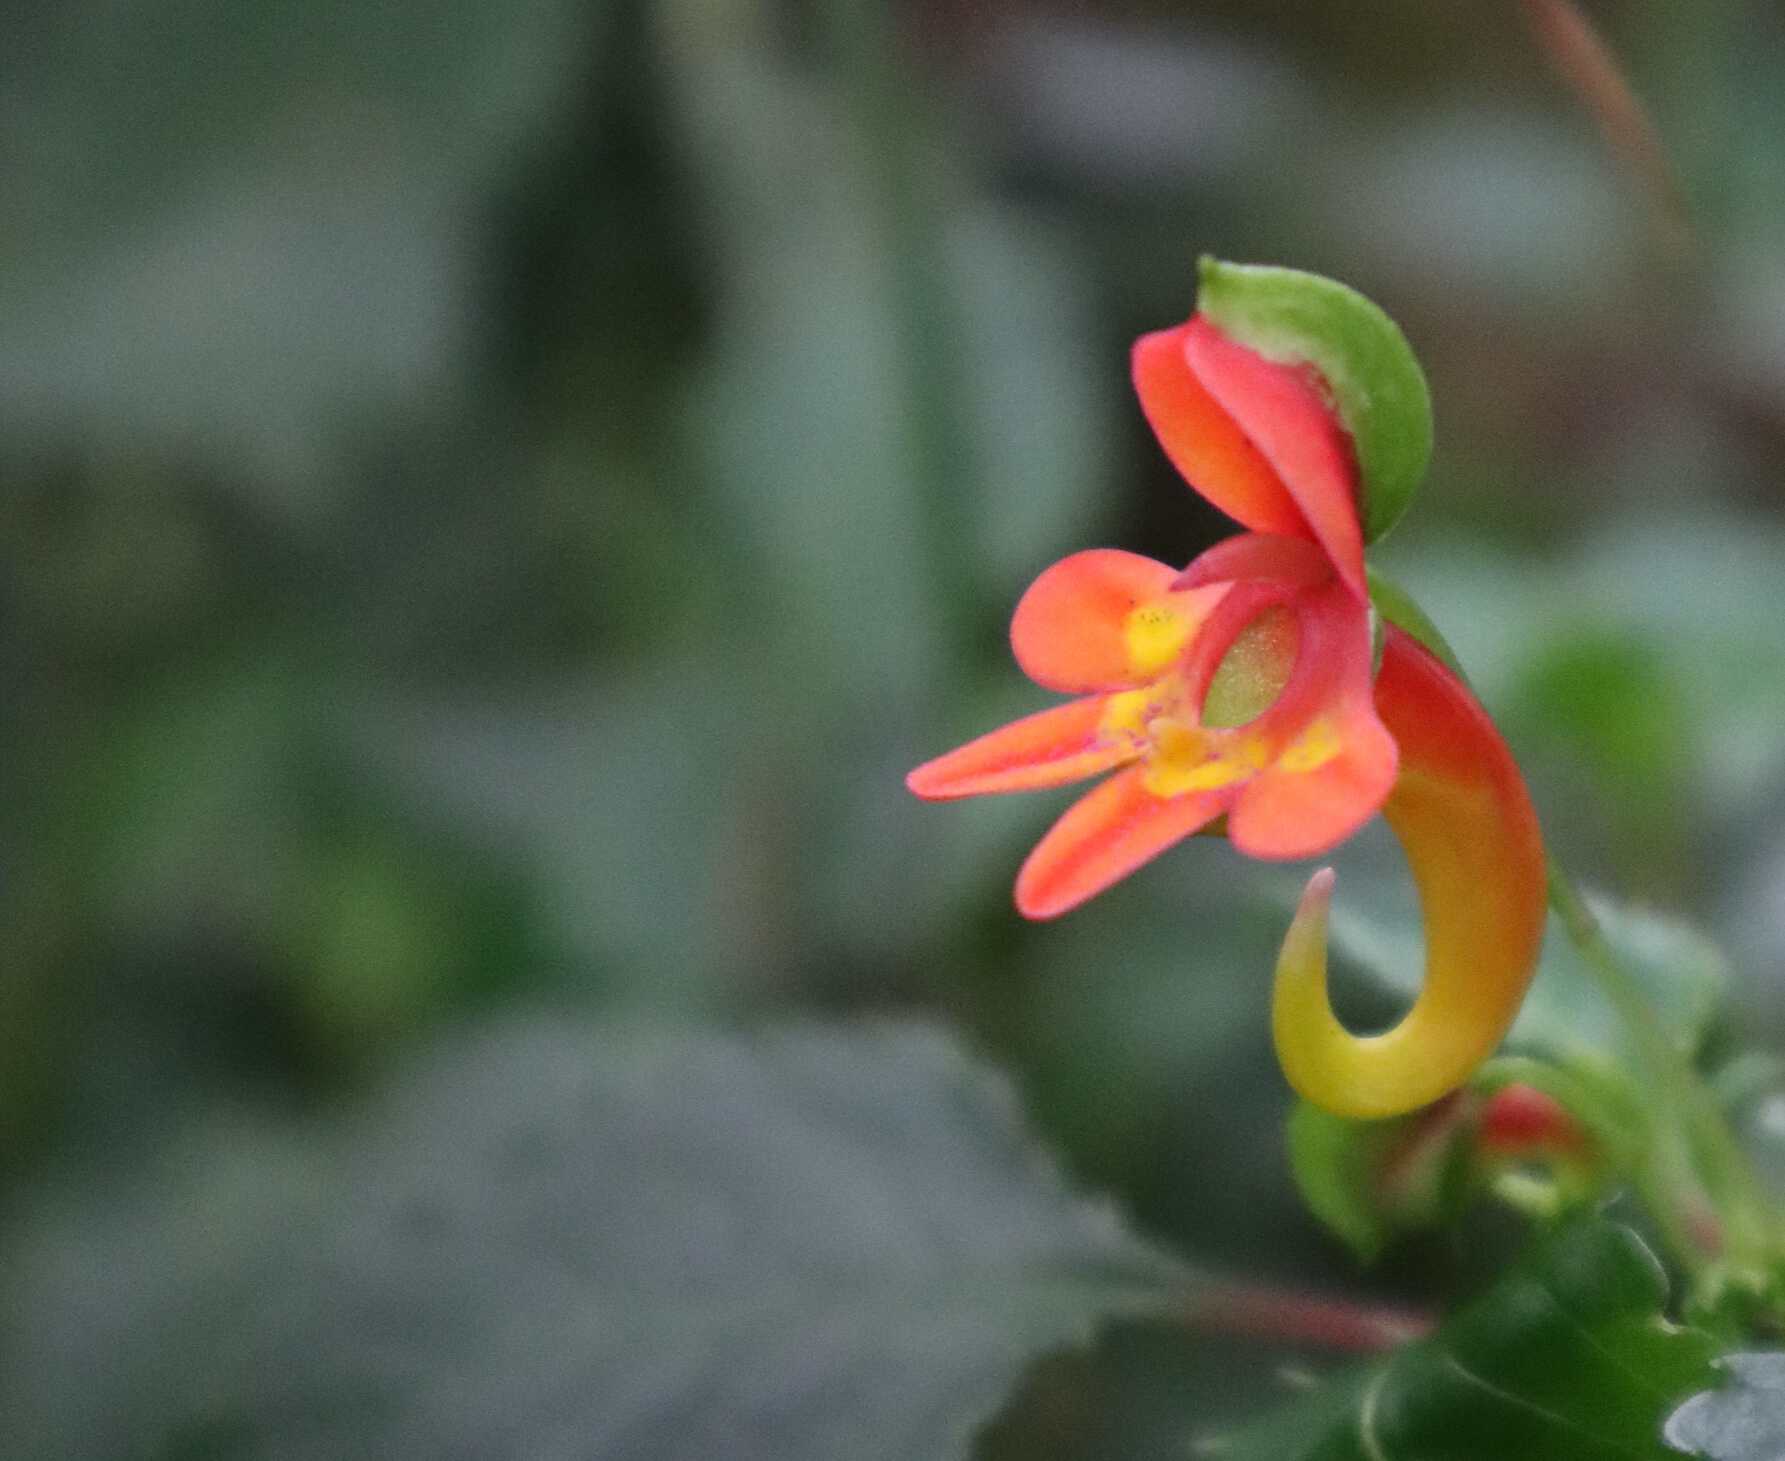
(1697, 1180)
(1253, 1312)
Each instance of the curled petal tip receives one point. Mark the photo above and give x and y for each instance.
(1301, 966)
(1299, 1003)
(1464, 819)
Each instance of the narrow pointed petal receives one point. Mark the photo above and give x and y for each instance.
(1466, 824)
(1050, 748)
(1336, 766)
(1104, 836)
(1285, 414)
(1204, 443)
(1104, 620)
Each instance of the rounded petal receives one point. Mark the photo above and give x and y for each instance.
(1104, 620)
(1204, 442)
(1291, 562)
(1103, 837)
(1286, 813)
(1286, 416)
(1050, 748)
(1466, 823)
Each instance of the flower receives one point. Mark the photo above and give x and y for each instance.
(1244, 689)
(1239, 687)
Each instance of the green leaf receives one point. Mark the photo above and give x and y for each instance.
(556, 1239)
(1290, 316)
(1333, 1162)
(1567, 1358)
(1744, 1420)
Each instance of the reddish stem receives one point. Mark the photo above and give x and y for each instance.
(1582, 59)
(1304, 1319)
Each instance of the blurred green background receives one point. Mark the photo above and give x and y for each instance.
(494, 497)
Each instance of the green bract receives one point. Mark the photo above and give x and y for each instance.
(1293, 317)
(1398, 607)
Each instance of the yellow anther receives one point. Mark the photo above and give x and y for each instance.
(1183, 759)
(1125, 715)
(1155, 635)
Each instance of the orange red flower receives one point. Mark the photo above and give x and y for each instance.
(1247, 687)
(1239, 687)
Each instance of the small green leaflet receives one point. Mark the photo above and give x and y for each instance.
(1295, 317)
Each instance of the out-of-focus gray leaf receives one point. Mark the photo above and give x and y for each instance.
(626, 807)
(1744, 1420)
(1682, 973)
(553, 1241)
(1035, 393)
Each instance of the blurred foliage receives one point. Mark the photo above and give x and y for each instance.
(494, 497)
(842, 1244)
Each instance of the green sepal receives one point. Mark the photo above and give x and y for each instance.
(1369, 1181)
(1398, 607)
(1293, 317)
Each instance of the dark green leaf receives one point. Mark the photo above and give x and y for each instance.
(556, 1240)
(1568, 1358)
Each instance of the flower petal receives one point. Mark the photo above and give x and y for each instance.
(1103, 837)
(1104, 620)
(1284, 413)
(1292, 562)
(1287, 812)
(1204, 442)
(1465, 821)
(1337, 764)
(1050, 748)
